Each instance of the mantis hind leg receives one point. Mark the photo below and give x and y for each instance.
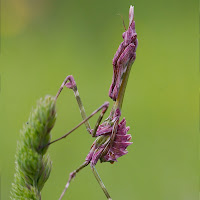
(100, 182)
(72, 176)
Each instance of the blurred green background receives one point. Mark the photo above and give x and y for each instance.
(43, 41)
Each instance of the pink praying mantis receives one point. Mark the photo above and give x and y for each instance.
(111, 136)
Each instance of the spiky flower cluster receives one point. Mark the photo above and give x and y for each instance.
(32, 165)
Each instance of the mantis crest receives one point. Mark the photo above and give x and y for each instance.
(111, 136)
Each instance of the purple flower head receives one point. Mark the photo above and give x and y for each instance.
(124, 56)
(115, 149)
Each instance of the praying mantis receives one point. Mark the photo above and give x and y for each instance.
(111, 136)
